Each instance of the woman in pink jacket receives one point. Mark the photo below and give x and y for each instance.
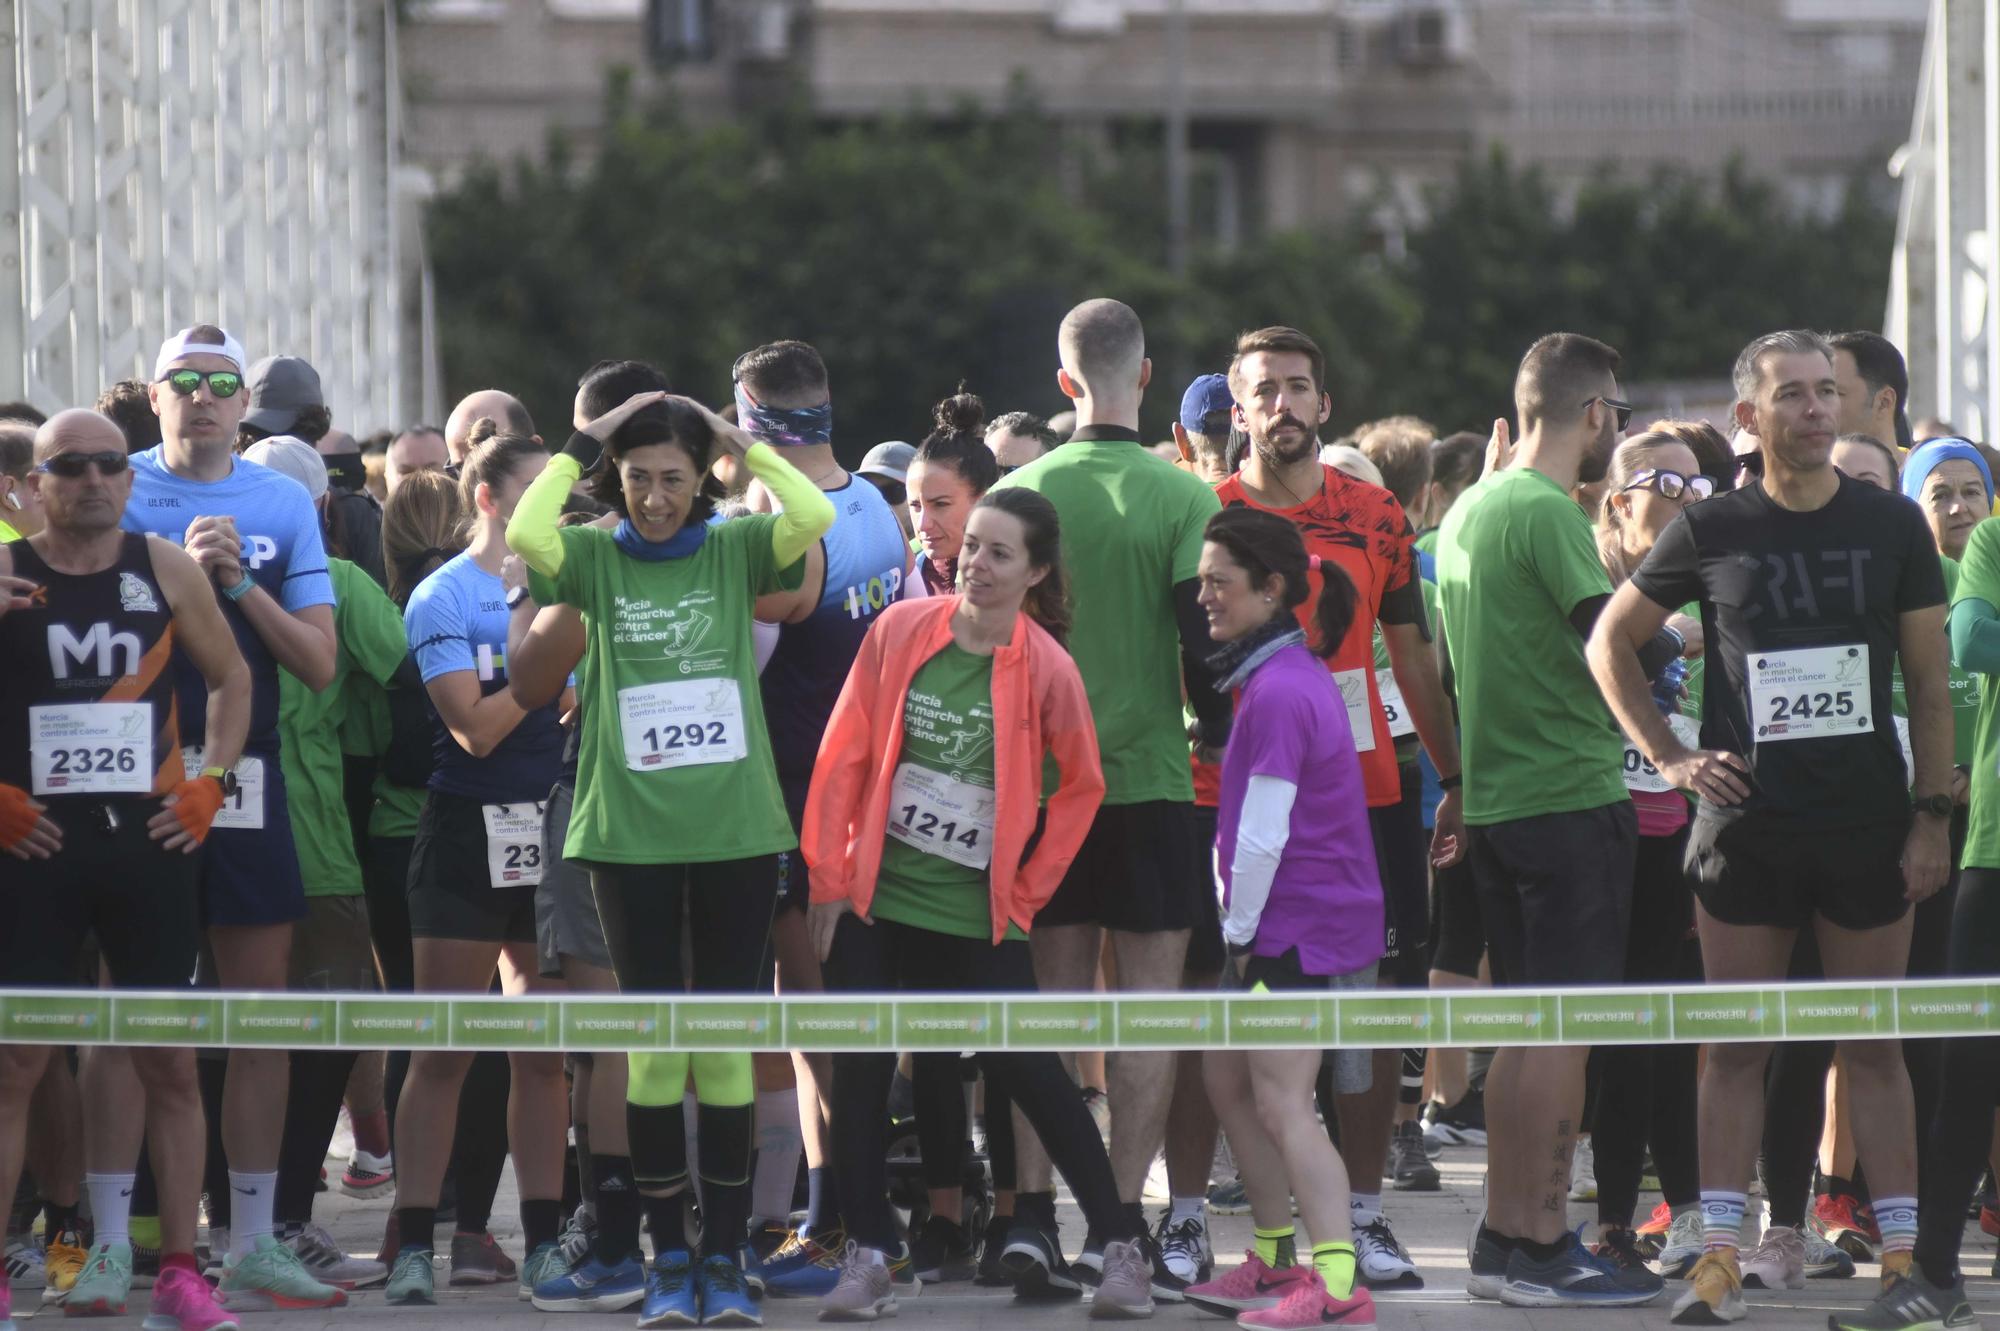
(927, 870)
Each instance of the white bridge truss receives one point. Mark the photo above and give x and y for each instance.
(189, 161)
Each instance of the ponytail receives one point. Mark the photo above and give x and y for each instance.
(1334, 614)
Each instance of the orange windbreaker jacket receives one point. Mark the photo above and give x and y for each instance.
(1039, 706)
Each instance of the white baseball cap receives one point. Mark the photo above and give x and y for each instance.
(293, 457)
(184, 343)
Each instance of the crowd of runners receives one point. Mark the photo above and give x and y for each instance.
(680, 703)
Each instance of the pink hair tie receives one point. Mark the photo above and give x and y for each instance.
(1312, 562)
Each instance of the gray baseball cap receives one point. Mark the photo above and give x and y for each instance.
(890, 461)
(281, 387)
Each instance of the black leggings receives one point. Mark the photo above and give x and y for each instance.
(942, 1136)
(1795, 1086)
(1646, 1093)
(1961, 1133)
(887, 956)
(726, 907)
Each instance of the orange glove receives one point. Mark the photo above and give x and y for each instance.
(195, 805)
(18, 816)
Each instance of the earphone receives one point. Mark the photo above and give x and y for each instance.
(13, 501)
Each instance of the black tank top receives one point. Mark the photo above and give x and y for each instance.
(87, 696)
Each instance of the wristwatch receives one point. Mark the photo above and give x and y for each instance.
(222, 776)
(515, 596)
(1937, 806)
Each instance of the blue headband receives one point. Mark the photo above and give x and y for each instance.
(1924, 460)
(784, 427)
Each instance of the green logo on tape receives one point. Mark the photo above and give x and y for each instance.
(417, 1022)
(1843, 1012)
(56, 1018)
(1959, 1009)
(1284, 1020)
(947, 1024)
(1609, 1018)
(603, 1025)
(837, 1025)
(1173, 1023)
(166, 1020)
(518, 1025)
(1503, 1016)
(286, 1023)
(1388, 1022)
(1751, 1014)
(727, 1024)
(1062, 1023)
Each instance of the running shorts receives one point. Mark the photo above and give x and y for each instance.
(1555, 893)
(250, 876)
(1753, 869)
(566, 922)
(1401, 855)
(451, 887)
(1205, 953)
(1141, 869)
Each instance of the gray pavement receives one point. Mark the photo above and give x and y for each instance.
(1433, 1226)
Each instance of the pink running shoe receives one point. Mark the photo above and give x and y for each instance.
(1308, 1304)
(1246, 1288)
(183, 1301)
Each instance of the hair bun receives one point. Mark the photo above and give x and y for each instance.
(961, 413)
(482, 429)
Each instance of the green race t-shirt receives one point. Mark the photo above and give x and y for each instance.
(1132, 527)
(675, 766)
(1515, 556)
(394, 814)
(1979, 579)
(369, 643)
(1965, 694)
(937, 855)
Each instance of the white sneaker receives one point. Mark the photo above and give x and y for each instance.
(1380, 1259)
(1823, 1260)
(330, 1265)
(25, 1264)
(1583, 1172)
(1685, 1239)
(1777, 1262)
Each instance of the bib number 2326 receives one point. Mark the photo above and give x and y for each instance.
(682, 723)
(98, 748)
(1810, 693)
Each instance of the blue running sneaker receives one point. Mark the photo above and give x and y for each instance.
(670, 1294)
(725, 1295)
(1576, 1278)
(804, 1268)
(593, 1288)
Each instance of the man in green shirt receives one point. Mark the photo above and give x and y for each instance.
(1132, 527)
(1552, 831)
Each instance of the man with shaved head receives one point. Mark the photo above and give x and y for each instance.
(505, 410)
(104, 821)
(1135, 523)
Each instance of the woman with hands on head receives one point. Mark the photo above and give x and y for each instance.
(673, 729)
(918, 830)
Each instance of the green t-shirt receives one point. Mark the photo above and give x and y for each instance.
(1515, 556)
(394, 814)
(675, 765)
(1132, 527)
(944, 806)
(1979, 579)
(1965, 694)
(368, 643)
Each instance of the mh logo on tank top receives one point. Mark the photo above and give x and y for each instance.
(106, 652)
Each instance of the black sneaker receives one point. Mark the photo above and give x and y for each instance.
(992, 1271)
(941, 1251)
(1089, 1264)
(1486, 1265)
(1410, 1167)
(1033, 1258)
(1462, 1124)
(1621, 1248)
(1912, 1303)
(1165, 1285)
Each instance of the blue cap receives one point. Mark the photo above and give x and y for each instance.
(1924, 459)
(1208, 393)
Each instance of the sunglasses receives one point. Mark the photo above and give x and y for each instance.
(70, 466)
(1671, 484)
(1623, 410)
(221, 383)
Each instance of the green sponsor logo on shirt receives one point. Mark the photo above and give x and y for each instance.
(948, 1024)
(1503, 1016)
(519, 1025)
(1278, 1021)
(56, 1018)
(837, 1025)
(1171, 1023)
(1749, 1014)
(165, 1020)
(1841, 1012)
(1388, 1022)
(728, 1024)
(286, 1023)
(607, 1025)
(1959, 1009)
(418, 1022)
(1605, 1018)
(1071, 1023)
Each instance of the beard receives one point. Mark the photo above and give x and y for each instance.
(1275, 450)
(1595, 464)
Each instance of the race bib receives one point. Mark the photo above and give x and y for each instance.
(683, 723)
(1809, 693)
(1640, 774)
(1353, 685)
(513, 843)
(1393, 710)
(941, 815)
(243, 810)
(91, 748)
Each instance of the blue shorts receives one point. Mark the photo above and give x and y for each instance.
(251, 876)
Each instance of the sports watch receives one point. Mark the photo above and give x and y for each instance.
(222, 776)
(1937, 806)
